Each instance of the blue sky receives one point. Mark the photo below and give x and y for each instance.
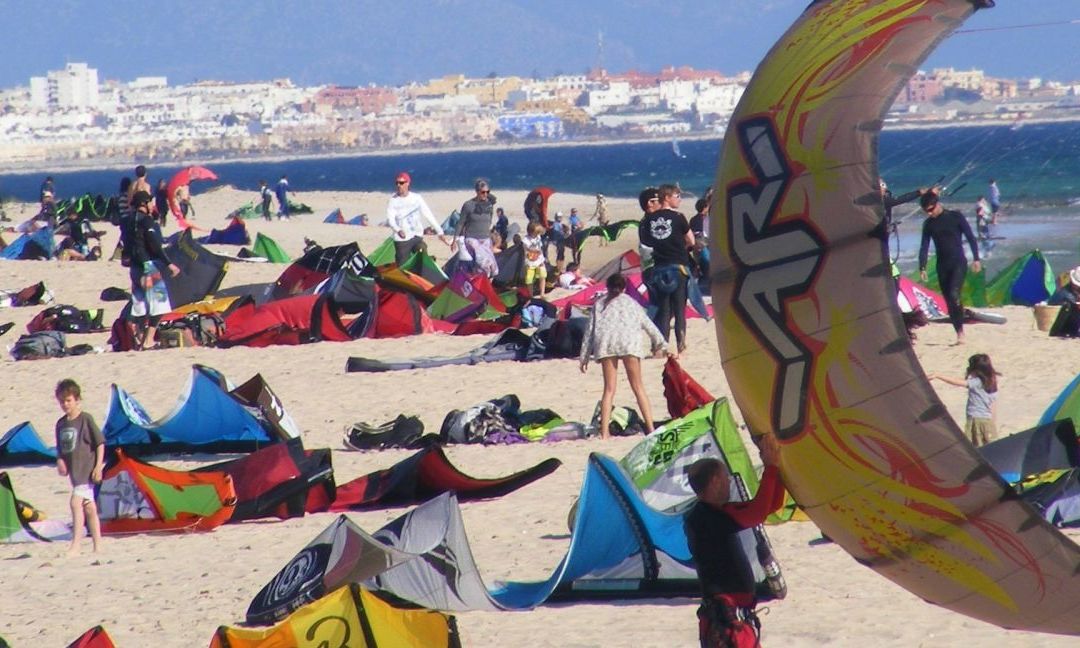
(363, 41)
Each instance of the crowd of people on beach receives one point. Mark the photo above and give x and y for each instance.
(620, 331)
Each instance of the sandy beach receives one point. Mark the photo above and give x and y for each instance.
(175, 590)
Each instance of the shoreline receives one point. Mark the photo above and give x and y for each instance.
(111, 164)
(69, 166)
(118, 164)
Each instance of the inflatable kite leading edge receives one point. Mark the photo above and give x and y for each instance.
(815, 350)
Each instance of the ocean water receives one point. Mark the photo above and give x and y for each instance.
(1037, 167)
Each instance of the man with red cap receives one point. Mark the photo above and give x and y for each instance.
(403, 214)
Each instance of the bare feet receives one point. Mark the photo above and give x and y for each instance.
(73, 551)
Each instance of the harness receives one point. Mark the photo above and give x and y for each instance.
(728, 621)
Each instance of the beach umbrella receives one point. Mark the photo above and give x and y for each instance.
(183, 178)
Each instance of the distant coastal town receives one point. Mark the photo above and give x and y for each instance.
(69, 118)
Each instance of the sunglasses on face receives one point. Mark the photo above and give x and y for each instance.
(483, 192)
(401, 182)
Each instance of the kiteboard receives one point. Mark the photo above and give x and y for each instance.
(983, 316)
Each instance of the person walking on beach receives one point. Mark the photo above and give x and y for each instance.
(149, 296)
(616, 328)
(265, 197)
(557, 234)
(575, 238)
(281, 190)
(122, 219)
(161, 201)
(726, 617)
(948, 228)
(474, 228)
(601, 215)
(502, 228)
(667, 233)
(981, 382)
(995, 200)
(140, 183)
(403, 214)
(699, 258)
(47, 187)
(80, 456)
(982, 217)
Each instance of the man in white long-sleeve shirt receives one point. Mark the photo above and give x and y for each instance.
(405, 214)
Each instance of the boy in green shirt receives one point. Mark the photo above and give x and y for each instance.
(80, 455)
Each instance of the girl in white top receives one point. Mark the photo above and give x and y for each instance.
(617, 327)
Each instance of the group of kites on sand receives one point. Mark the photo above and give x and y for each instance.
(620, 331)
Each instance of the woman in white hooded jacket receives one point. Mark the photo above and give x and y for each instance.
(617, 328)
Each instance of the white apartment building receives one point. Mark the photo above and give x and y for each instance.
(443, 103)
(719, 99)
(615, 95)
(76, 86)
(679, 95)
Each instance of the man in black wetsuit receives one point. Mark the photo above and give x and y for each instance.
(726, 616)
(948, 228)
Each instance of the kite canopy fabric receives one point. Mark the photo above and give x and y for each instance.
(628, 262)
(235, 234)
(911, 296)
(183, 178)
(427, 474)
(282, 481)
(291, 320)
(201, 271)
(1065, 406)
(1047, 447)
(137, 497)
(657, 465)
(95, 637)
(1056, 494)
(268, 249)
(207, 418)
(350, 616)
(620, 548)
(15, 528)
(815, 351)
(315, 266)
(21, 446)
(342, 553)
(1027, 281)
(682, 393)
(38, 245)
